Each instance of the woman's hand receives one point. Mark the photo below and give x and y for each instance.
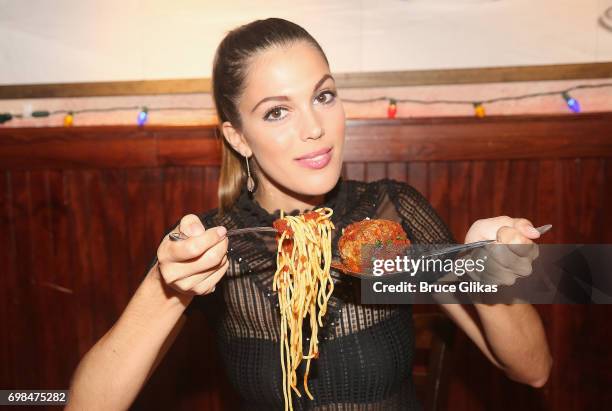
(194, 266)
(513, 253)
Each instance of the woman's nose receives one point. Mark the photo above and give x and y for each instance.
(313, 129)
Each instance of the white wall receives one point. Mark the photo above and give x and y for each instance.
(67, 41)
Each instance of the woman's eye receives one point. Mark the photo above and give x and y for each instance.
(274, 114)
(321, 98)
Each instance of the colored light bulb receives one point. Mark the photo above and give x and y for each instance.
(572, 103)
(392, 109)
(143, 116)
(68, 120)
(4, 117)
(479, 110)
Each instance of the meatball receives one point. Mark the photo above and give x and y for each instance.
(378, 233)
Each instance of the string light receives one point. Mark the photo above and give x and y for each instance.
(69, 119)
(479, 105)
(479, 110)
(142, 116)
(40, 113)
(392, 109)
(4, 117)
(572, 103)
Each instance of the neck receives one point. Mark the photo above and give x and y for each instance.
(272, 198)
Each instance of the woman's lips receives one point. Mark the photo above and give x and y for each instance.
(317, 159)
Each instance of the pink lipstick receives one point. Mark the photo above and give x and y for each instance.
(316, 159)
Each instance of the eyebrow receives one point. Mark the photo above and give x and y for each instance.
(285, 98)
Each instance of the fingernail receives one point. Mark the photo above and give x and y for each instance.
(221, 231)
(533, 231)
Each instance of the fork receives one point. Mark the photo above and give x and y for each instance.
(463, 247)
(235, 231)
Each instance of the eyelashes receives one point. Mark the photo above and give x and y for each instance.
(331, 93)
(275, 110)
(278, 109)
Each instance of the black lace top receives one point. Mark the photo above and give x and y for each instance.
(366, 352)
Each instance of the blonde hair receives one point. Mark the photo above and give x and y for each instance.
(230, 69)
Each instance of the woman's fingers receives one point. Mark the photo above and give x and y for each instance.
(529, 251)
(504, 257)
(513, 254)
(209, 259)
(514, 251)
(518, 243)
(498, 274)
(208, 286)
(511, 235)
(495, 272)
(191, 225)
(196, 264)
(526, 228)
(202, 283)
(193, 247)
(212, 258)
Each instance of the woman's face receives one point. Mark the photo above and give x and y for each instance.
(293, 122)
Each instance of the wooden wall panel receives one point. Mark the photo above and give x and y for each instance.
(82, 211)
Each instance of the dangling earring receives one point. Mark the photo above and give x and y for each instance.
(250, 181)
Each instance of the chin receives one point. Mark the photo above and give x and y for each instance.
(305, 182)
(319, 183)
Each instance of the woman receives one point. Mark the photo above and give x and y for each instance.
(283, 128)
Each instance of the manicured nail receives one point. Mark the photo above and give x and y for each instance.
(221, 231)
(533, 231)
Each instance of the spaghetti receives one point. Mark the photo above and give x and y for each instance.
(304, 287)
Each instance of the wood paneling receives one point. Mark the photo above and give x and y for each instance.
(367, 141)
(343, 80)
(83, 209)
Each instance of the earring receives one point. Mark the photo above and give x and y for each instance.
(250, 181)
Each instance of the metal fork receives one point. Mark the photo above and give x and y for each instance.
(469, 246)
(462, 247)
(181, 236)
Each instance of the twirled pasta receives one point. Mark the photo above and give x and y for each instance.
(304, 286)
